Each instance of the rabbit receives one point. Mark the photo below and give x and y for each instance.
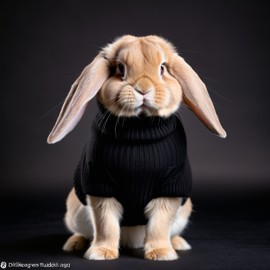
(132, 185)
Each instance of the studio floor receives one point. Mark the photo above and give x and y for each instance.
(228, 231)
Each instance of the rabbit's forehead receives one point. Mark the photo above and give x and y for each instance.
(141, 53)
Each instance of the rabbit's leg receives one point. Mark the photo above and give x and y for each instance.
(161, 213)
(179, 224)
(75, 242)
(106, 214)
(78, 221)
(179, 243)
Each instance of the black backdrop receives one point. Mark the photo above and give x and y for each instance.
(46, 44)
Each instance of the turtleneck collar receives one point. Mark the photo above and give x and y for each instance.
(134, 128)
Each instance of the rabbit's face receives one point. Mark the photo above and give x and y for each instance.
(140, 82)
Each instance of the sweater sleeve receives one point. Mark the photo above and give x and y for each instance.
(91, 178)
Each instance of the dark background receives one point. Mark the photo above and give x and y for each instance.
(44, 47)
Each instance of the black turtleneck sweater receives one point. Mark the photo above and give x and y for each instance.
(134, 159)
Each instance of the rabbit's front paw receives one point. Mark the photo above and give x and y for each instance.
(161, 254)
(101, 253)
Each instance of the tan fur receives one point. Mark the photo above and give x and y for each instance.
(161, 213)
(106, 214)
(186, 209)
(142, 59)
(75, 242)
(72, 204)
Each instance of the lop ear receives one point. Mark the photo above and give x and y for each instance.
(195, 95)
(81, 92)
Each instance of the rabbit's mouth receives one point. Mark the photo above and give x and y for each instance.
(145, 109)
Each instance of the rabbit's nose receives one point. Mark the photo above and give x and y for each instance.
(142, 91)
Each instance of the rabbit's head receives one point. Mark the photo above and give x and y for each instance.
(137, 76)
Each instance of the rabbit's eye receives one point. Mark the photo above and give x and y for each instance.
(162, 69)
(121, 69)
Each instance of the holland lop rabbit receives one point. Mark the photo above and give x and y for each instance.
(133, 182)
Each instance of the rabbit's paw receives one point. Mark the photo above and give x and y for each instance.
(101, 253)
(161, 254)
(179, 243)
(75, 242)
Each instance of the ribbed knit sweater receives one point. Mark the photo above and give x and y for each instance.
(134, 159)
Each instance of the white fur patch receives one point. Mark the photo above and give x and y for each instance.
(93, 256)
(186, 245)
(179, 223)
(80, 223)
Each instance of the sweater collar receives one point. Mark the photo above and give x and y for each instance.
(134, 128)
